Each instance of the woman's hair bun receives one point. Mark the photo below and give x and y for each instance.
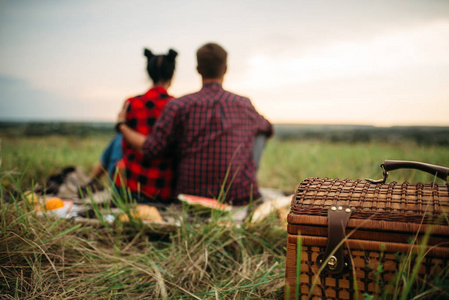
(160, 67)
(172, 54)
(148, 53)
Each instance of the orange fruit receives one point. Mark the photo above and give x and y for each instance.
(53, 203)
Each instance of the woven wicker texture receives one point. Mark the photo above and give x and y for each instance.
(384, 216)
(399, 202)
(365, 263)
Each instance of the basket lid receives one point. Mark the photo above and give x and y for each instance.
(393, 202)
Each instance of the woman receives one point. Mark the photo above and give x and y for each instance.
(150, 181)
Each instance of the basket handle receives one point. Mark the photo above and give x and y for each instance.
(390, 165)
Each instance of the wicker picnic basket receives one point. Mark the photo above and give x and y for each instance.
(356, 235)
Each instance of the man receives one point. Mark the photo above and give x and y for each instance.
(211, 133)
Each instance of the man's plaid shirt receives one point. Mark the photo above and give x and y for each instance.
(212, 132)
(151, 177)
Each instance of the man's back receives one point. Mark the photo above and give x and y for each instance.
(214, 132)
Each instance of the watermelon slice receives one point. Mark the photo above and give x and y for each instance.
(204, 202)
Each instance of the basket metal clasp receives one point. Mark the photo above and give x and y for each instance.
(383, 180)
(334, 258)
(332, 263)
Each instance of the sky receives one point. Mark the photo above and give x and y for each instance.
(381, 63)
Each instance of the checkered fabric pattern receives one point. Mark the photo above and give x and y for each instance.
(213, 133)
(152, 178)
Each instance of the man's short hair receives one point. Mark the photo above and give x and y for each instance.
(211, 60)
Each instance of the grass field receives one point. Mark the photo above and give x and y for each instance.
(46, 258)
(285, 162)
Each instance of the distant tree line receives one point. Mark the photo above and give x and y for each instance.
(36, 129)
(423, 135)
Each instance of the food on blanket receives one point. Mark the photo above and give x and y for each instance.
(203, 201)
(266, 208)
(282, 213)
(53, 203)
(31, 197)
(145, 213)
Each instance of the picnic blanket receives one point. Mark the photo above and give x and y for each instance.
(60, 196)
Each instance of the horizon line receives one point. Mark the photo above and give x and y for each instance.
(29, 120)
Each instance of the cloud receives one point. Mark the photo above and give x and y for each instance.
(81, 60)
(424, 46)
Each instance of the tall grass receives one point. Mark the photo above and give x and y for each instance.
(286, 163)
(50, 258)
(57, 258)
(417, 276)
(36, 158)
(283, 166)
